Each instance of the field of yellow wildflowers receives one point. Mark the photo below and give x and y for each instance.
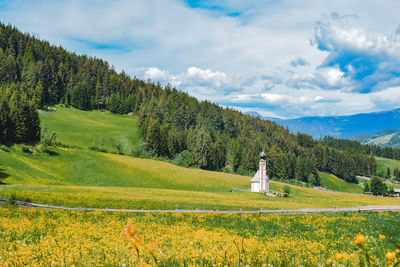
(55, 237)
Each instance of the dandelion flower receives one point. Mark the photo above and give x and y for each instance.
(339, 256)
(390, 255)
(382, 236)
(359, 239)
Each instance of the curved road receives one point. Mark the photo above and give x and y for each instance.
(283, 211)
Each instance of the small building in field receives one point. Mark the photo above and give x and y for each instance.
(397, 192)
(260, 181)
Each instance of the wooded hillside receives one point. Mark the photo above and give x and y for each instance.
(172, 124)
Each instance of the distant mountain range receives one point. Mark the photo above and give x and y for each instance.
(362, 127)
(389, 137)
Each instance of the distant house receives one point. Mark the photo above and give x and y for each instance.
(260, 181)
(397, 192)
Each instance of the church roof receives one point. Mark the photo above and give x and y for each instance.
(256, 178)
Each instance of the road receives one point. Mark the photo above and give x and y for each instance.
(282, 211)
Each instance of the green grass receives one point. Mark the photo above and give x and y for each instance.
(92, 179)
(383, 163)
(85, 129)
(333, 183)
(90, 168)
(84, 178)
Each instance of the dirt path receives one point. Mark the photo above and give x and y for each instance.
(284, 211)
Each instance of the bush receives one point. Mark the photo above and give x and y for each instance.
(185, 159)
(98, 149)
(118, 146)
(377, 187)
(287, 189)
(141, 151)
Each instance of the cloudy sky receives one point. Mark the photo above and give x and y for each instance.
(284, 59)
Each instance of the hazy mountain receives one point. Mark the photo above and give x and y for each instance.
(390, 137)
(365, 124)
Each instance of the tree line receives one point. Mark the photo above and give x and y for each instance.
(171, 123)
(374, 150)
(19, 119)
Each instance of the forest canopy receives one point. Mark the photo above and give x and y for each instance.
(35, 74)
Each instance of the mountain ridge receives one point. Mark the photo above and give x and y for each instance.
(348, 127)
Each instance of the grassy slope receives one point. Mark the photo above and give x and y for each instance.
(333, 183)
(383, 163)
(90, 168)
(78, 177)
(92, 179)
(85, 129)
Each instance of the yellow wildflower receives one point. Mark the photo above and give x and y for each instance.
(397, 250)
(359, 239)
(390, 255)
(382, 236)
(339, 256)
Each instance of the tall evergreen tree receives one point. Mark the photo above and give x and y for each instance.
(202, 149)
(153, 136)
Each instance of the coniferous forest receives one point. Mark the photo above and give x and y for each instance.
(35, 74)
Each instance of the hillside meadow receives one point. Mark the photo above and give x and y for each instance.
(85, 178)
(333, 183)
(383, 163)
(80, 177)
(84, 129)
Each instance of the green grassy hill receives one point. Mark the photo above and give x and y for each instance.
(333, 183)
(80, 177)
(93, 179)
(383, 163)
(85, 129)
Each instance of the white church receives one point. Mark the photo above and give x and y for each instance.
(260, 181)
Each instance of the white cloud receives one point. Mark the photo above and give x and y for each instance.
(207, 76)
(260, 59)
(154, 73)
(330, 75)
(369, 60)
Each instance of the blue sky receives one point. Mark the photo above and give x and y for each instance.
(284, 59)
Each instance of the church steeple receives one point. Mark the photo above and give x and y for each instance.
(260, 181)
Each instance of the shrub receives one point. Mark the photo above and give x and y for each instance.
(185, 159)
(287, 189)
(96, 148)
(119, 148)
(141, 151)
(377, 187)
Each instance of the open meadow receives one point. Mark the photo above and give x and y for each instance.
(383, 163)
(84, 129)
(33, 237)
(80, 177)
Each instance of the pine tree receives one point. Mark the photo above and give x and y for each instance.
(396, 174)
(25, 118)
(388, 173)
(37, 98)
(366, 187)
(153, 136)
(5, 122)
(202, 149)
